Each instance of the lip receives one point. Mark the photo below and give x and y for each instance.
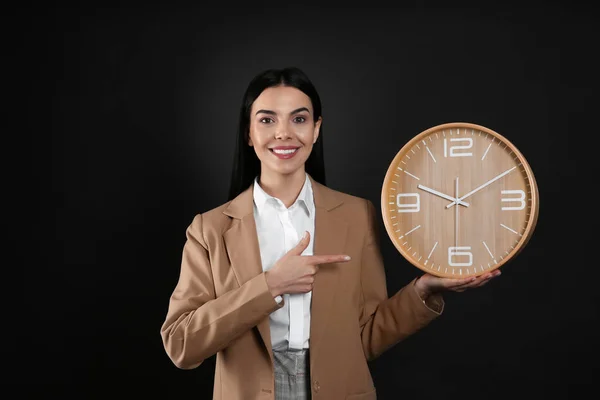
(284, 147)
(284, 156)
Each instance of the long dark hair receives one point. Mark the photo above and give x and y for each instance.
(246, 165)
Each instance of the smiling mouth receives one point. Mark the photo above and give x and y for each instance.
(284, 153)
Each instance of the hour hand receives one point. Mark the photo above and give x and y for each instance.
(444, 196)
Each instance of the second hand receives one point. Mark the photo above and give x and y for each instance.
(456, 214)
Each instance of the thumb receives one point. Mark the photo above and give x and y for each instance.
(302, 244)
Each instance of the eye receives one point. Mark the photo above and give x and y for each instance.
(266, 120)
(299, 119)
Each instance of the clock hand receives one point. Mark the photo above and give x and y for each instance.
(456, 214)
(479, 187)
(445, 196)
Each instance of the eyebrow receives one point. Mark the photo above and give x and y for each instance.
(296, 111)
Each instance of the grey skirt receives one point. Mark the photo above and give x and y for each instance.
(292, 374)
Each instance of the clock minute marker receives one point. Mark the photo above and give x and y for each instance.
(486, 151)
(409, 174)
(432, 249)
(411, 231)
(429, 151)
(512, 230)
(489, 252)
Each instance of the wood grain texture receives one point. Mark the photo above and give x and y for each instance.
(455, 159)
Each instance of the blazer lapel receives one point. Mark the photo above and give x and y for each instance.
(241, 241)
(330, 238)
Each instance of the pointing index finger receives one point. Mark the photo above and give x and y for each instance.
(327, 259)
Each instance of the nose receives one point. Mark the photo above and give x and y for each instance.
(283, 132)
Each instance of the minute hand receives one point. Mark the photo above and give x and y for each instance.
(481, 187)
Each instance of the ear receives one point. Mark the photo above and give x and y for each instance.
(250, 141)
(317, 129)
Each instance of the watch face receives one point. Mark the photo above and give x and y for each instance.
(459, 200)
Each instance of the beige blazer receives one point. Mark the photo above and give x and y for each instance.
(221, 303)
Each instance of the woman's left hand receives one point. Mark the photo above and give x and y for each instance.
(428, 284)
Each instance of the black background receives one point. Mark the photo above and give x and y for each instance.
(130, 115)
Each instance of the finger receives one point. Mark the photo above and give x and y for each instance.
(311, 280)
(462, 288)
(486, 279)
(327, 259)
(301, 288)
(305, 280)
(477, 282)
(453, 283)
(482, 279)
(302, 244)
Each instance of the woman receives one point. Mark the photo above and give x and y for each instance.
(285, 282)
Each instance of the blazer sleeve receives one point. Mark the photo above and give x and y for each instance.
(198, 324)
(386, 321)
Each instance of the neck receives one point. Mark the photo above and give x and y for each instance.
(284, 187)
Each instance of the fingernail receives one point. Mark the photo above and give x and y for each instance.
(347, 258)
(305, 235)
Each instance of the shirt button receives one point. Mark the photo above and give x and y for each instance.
(316, 385)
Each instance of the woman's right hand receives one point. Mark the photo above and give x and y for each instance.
(295, 273)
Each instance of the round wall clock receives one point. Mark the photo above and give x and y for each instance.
(459, 200)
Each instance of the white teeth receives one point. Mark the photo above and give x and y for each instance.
(277, 151)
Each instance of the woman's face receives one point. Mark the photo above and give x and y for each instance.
(282, 130)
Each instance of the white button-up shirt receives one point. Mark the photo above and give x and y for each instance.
(279, 229)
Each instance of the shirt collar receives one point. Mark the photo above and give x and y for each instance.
(305, 198)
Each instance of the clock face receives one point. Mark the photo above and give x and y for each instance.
(459, 200)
